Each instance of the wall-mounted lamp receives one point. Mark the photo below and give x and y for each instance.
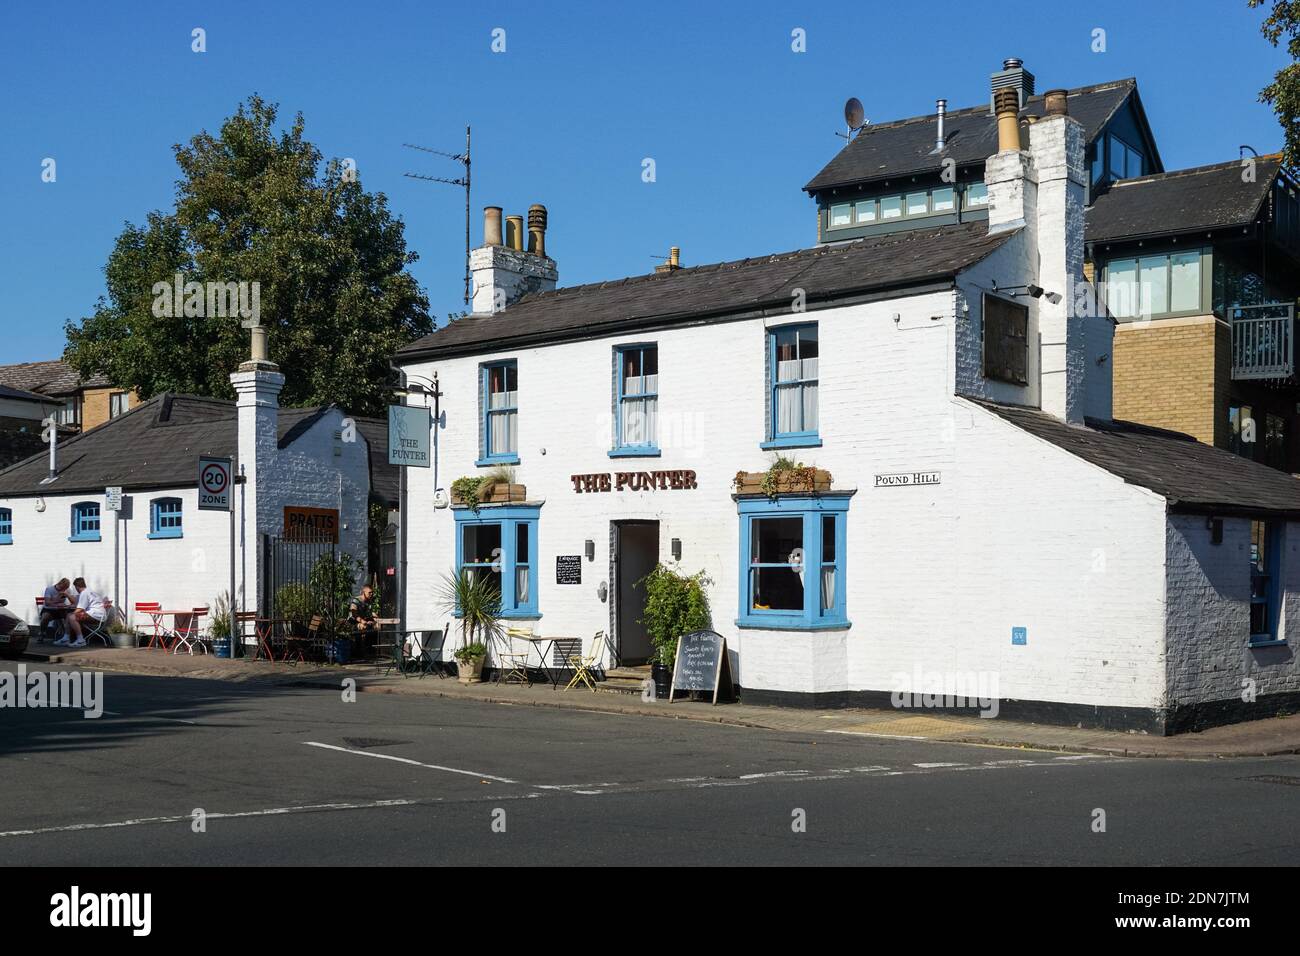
(1215, 527)
(590, 548)
(898, 317)
(602, 591)
(1033, 291)
(677, 549)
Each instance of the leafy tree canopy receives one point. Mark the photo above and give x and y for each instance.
(1283, 26)
(254, 205)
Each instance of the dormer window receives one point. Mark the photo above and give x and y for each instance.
(1125, 161)
(841, 215)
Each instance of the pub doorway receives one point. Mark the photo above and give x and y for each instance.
(635, 554)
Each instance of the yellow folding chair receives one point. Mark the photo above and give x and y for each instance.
(585, 665)
(514, 662)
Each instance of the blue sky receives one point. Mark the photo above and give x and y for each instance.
(735, 120)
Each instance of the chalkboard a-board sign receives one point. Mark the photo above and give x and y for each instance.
(701, 664)
(568, 569)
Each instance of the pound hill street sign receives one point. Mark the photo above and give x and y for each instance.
(214, 484)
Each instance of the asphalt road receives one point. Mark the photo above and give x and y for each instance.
(298, 776)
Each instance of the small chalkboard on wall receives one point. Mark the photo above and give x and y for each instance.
(568, 569)
(701, 665)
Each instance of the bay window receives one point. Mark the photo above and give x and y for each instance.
(499, 544)
(792, 557)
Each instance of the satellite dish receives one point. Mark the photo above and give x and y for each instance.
(853, 112)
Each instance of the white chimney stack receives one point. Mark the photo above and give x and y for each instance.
(504, 272)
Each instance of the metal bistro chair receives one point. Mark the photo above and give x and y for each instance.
(386, 627)
(294, 644)
(431, 645)
(514, 662)
(246, 626)
(190, 635)
(100, 631)
(585, 666)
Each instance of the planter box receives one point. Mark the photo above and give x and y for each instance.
(499, 493)
(805, 481)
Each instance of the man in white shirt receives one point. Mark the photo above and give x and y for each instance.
(91, 610)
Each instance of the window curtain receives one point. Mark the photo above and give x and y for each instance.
(504, 424)
(640, 416)
(796, 405)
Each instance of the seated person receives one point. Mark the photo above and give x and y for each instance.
(361, 613)
(58, 602)
(91, 610)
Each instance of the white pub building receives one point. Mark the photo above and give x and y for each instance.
(986, 519)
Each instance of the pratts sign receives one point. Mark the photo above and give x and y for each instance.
(634, 481)
(311, 524)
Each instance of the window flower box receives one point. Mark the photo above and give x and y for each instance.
(493, 493)
(789, 481)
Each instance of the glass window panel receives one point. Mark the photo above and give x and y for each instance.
(841, 215)
(775, 540)
(1098, 166)
(521, 543)
(1121, 288)
(944, 199)
(1132, 163)
(828, 588)
(866, 211)
(977, 194)
(521, 585)
(481, 543)
(828, 539)
(918, 204)
(787, 355)
(1116, 158)
(808, 344)
(777, 588)
(650, 360)
(1185, 282)
(1153, 277)
(891, 207)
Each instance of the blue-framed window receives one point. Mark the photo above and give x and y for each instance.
(85, 521)
(165, 518)
(500, 543)
(500, 403)
(792, 562)
(6, 526)
(1266, 545)
(792, 386)
(636, 400)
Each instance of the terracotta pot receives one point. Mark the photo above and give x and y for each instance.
(470, 671)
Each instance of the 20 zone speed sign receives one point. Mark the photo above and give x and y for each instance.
(214, 484)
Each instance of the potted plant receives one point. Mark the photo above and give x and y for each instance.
(294, 604)
(476, 601)
(675, 604)
(783, 476)
(497, 486)
(331, 582)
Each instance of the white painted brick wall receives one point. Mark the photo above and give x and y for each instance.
(1209, 614)
(192, 570)
(1018, 534)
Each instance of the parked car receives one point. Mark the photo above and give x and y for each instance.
(13, 631)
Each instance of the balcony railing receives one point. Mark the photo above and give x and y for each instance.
(1263, 341)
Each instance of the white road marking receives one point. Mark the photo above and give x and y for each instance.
(774, 773)
(407, 760)
(936, 766)
(863, 733)
(187, 817)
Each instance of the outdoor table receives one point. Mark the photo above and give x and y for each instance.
(537, 640)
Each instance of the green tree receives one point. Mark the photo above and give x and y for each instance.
(258, 205)
(1283, 94)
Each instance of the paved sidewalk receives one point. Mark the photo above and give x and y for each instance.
(1280, 735)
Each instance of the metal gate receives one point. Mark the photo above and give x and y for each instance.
(288, 562)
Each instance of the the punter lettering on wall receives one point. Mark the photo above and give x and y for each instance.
(634, 481)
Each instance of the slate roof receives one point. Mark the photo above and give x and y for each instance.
(156, 444)
(54, 377)
(1192, 476)
(825, 273)
(904, 147)
(1188, 200)
(22, 395)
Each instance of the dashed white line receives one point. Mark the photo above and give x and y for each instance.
(188, 817)
(936, 766)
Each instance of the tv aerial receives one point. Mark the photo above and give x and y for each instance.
(854, 117)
